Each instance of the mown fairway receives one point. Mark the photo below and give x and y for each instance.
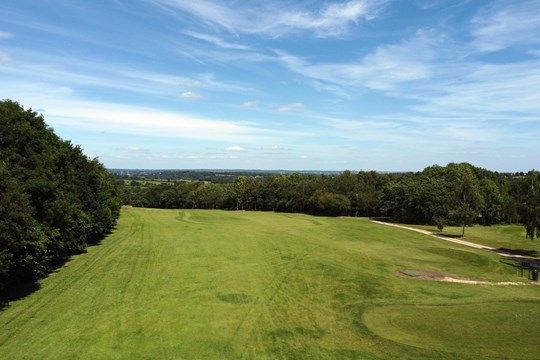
(172, 284)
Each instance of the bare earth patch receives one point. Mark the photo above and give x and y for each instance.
(432, 276)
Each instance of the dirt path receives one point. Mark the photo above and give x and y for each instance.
(447, 238)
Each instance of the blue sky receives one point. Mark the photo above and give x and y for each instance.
(387, 85)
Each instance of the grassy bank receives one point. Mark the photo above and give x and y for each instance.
(172, 284)
(508, 237)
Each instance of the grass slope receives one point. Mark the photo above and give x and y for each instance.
(507, 237)
(172, 284)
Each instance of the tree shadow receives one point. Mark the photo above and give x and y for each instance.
(512, 263)
(452, 236)
(14, 292)
(17, 292)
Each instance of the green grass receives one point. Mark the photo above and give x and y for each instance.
(171, 284)
(509, 237)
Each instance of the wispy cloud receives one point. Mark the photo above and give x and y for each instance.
(505, 24)
(434, 74)
(190, 83)
(5, 58)
(235, 149)
(279, 18)
(383, 69)
(249, 104)
(65, 109)
(488, 91)
(189, 95)
(333, 19)
(5, 35)
(84, 73)
(208, 80)
(290, 107)
(216, 41)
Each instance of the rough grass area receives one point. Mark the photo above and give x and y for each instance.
(171, 284)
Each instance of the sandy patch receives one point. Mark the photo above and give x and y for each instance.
(432, 276)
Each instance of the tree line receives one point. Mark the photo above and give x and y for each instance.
(54, 200)
(455, 194)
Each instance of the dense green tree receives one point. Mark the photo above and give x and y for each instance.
(54, 201)
(326, 203)
(528, 193)
(366, 197)
(467, 197)
(492, 209)
(23, 250)
(208, 196)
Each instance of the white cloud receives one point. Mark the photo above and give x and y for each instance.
(5, 58)
(514, 23)
(5, 35)
(67, 111)
(280, 18)
(158, 78)
(488, 91)
(189, 95)
(383, 69)
(202, 80)
(235, 149)
(291, 107)
(216, 41)
(436, 76)
(208, 81)
(249, 104)
(332, 20)
(55, 69)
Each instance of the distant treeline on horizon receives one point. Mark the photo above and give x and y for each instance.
(228, 175)
(455, 194)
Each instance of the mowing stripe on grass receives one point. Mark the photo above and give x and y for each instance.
(170, 284)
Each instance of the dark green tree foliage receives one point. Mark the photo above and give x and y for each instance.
(54, 201)
(527, 190)
(467, 200)
(492, 209)
(326, 203)
(423, 198)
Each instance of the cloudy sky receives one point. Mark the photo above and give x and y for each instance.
(386, 85)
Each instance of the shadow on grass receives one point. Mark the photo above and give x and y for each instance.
(521, 252)
(17, 292)
(453, 236)
(20, 291)
(512, 263)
